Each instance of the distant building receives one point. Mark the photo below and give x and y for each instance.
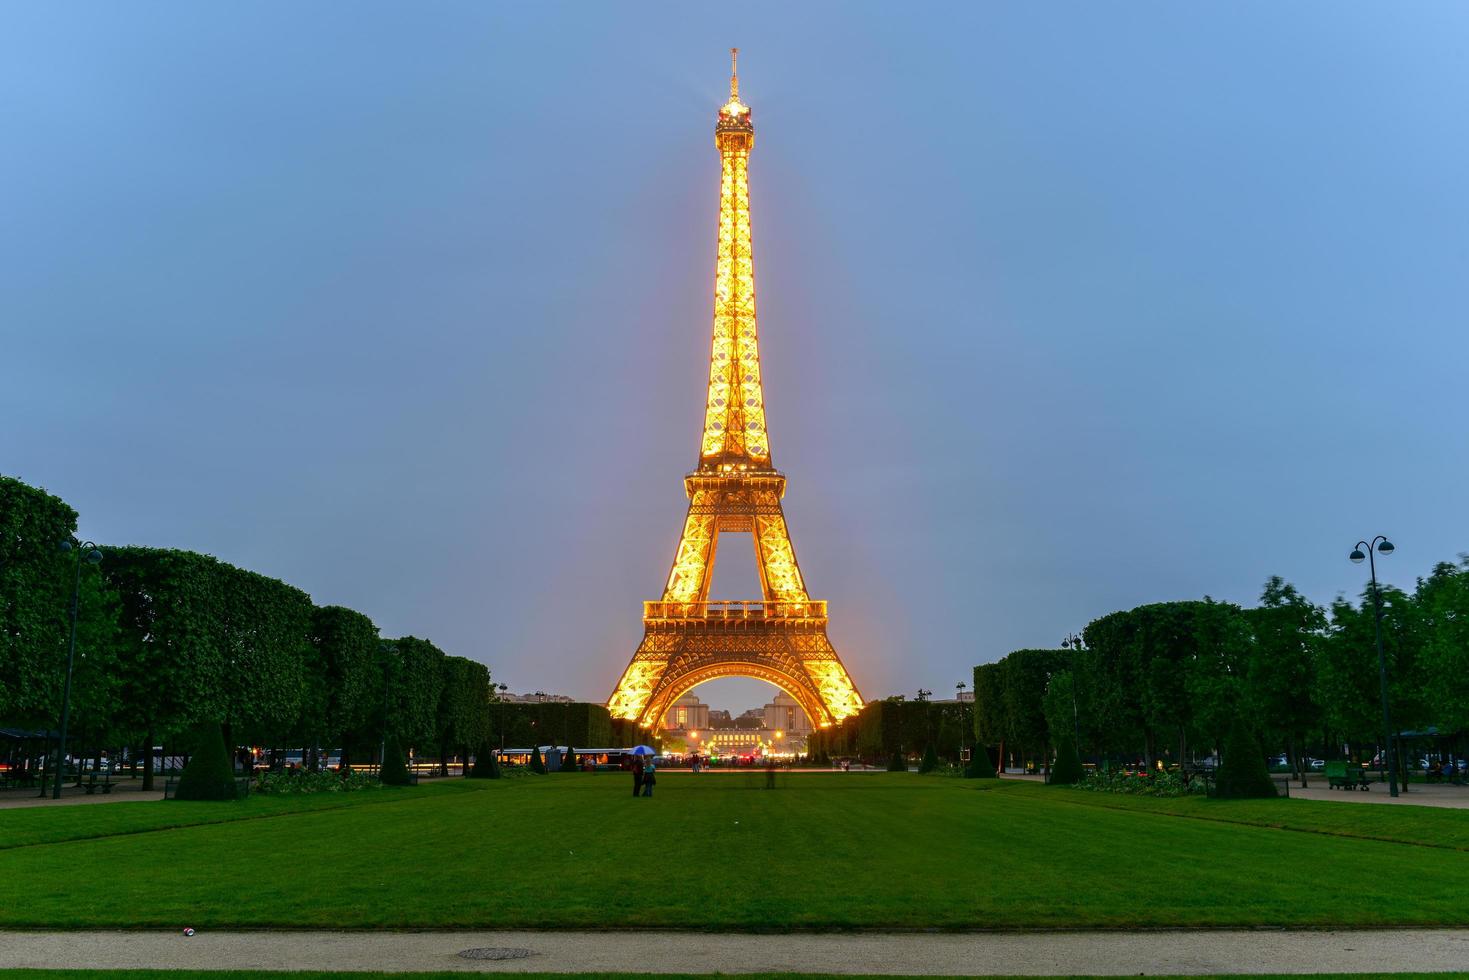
(538, 698)
(720, 719)
(688, 713)
(784, 714)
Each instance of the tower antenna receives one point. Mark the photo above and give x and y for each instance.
(734, 73)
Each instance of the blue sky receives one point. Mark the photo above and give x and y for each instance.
(1064, 307)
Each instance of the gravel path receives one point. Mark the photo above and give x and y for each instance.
(654, 952)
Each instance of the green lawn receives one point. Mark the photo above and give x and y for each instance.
(719, 852)
(309, 975)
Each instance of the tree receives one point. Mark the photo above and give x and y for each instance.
(930, 760)
(980, 766)
(463, 710)
(568, 760)
(1243, 774)
(1443, 603)
(897, 763)
(1067, 770)
(345, 678)
(537, 764)
(209, 775)
(394, 771)
(1287, 632)
(486, 765)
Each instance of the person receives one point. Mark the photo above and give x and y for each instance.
(770, 772)
(1435, 772)
(695, 764)
(637, 775)
(650, 776)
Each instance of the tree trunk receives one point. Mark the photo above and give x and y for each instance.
(148, 760)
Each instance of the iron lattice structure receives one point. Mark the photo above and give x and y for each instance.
(687, 639)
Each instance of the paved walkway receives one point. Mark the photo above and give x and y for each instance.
(1421, 794)
(938, 954)
(130, 790)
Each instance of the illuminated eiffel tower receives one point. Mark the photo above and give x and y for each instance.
(687, 639)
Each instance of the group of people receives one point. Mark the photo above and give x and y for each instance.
(1438, 772)
(644, 775)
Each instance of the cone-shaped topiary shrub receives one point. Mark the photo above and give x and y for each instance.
(897, 763)
(930, 759)
(394, 771)
(537, 764)
(569, 760)
(1243, 774)
(209, 774)
(1066, 770)
(980, 766)
(486, 766)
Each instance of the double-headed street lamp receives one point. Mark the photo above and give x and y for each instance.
(88, 552)
(1072, 642)
(502, 688)
(1382, 546)
(963, 726)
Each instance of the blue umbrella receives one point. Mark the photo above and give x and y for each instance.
(642, 750)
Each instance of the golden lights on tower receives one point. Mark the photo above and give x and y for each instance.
(782, 638)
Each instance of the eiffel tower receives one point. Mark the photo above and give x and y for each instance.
(688, 639)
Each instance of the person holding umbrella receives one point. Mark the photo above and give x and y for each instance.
(639, 774)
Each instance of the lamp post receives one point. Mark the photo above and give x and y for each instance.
(502, 688)
(1381, 545)
(89, 552)
(963, 726)
(1072, 642)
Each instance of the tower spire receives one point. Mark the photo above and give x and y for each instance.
(734, 73)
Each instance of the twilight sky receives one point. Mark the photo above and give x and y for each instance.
(1064, 308)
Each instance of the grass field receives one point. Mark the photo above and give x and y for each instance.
(308, 975)
(720, 852)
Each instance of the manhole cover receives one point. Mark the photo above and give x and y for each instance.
(494, 953)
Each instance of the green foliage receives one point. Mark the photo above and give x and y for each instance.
(209, 774)
(1066, 771)
(394, 770)
(1141, 783)
(1243, 774)
(930, 760)
(344, 676)
(415, 675)
(486, 765)
(464, 704)
(537, 764)
(979, 765)
(897, 763)
(321, 781)
(36, 580)
(568, 760)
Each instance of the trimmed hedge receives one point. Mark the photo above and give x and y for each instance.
(537, 764)
(209, 774)
(486, 766)
(897, 763)
(1066, 770)
(980, 766)
(930, 759)
(1243, 774)
(394, 770)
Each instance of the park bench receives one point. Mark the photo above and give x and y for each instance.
(93, 784)
(1342, 775)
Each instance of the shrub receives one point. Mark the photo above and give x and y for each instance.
(301, 781)
(1243, 774)
(1066, 771)
(394, 771)
(209, 774)
(537, 764)
(568, 760)
(1140, 783)
(486, 765)
(980, 766)
(930, 759)
(897, 763)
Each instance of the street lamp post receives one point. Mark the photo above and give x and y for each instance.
(1072, 642)
(89, 552)
(963, 720)
(502, 688)
(1380, 545)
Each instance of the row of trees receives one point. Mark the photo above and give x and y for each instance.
(895, 727)
(170, 639)
(1166, 680)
